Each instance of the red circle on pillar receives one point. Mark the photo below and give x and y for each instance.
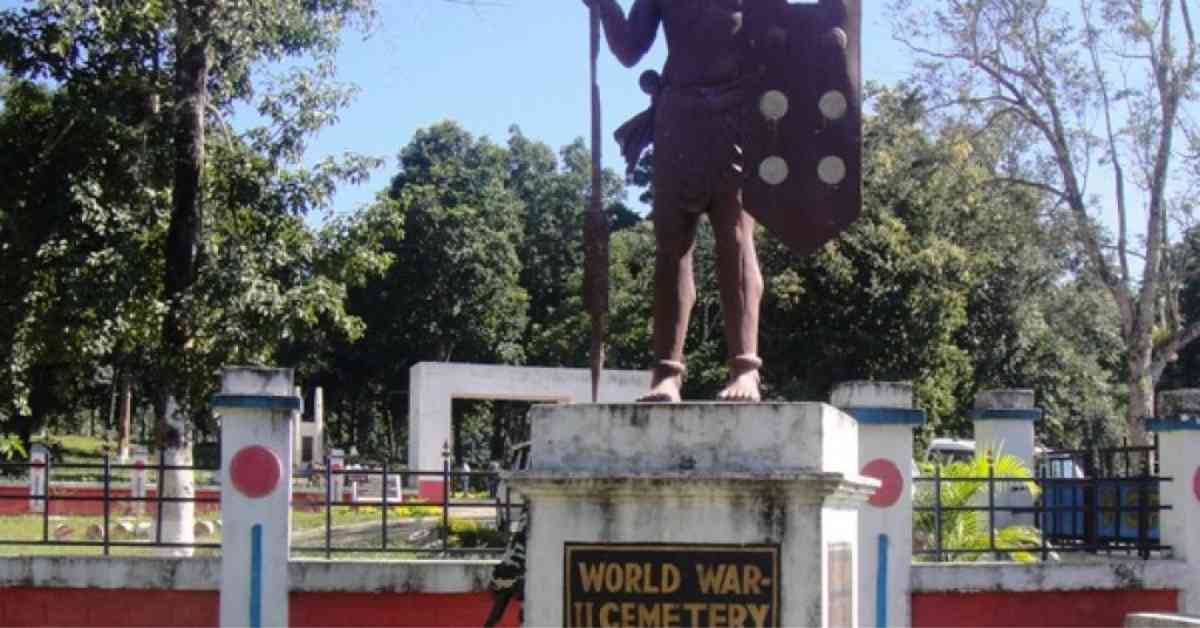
(1196, 484)
(891, 482)
(255, 471)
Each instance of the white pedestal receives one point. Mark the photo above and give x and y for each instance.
(660, 499)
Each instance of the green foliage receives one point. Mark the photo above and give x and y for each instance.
(468, 533)
(964, 485)
(87, 182)
(11, 447)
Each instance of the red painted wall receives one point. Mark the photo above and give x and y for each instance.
(1035, 609)
(104, 607)
(412, 609)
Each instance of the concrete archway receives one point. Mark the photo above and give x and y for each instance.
(434, 385)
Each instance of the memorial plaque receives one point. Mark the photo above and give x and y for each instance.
(671, 585)
(841, 585)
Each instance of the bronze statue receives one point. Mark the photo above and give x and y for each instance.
(756, 116)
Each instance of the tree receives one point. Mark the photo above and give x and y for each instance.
(1084, 97)
(554, 193)
(246, 265)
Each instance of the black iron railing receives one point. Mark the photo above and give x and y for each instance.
(54, 500)
(505, 511)
(1005, 517)
(107, 498)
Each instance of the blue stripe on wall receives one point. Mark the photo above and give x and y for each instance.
(881, 583)
(256, 576)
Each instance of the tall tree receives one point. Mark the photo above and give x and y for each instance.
(1094, 86)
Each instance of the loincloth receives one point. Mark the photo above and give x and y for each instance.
(697, 136)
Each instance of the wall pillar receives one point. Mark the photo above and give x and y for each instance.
(1004, 425)
(886, 420)
(39, 454)
(1004, 422)
(1178, 432)
(256, 407)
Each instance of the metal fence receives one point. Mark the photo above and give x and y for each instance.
(114, 498)
(1115, 490)
(107, 500)
(502, 505)
(1002, 517)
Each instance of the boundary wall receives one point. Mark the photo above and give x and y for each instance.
(1098, 593)
(97, 591)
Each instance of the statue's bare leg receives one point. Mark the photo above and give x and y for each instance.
(741, 287)
(674, 295)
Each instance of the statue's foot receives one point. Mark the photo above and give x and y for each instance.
(743, 380)
(667, 381)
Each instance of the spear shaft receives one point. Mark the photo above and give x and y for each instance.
(595, 228)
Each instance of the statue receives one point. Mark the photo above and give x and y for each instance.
(756, 116)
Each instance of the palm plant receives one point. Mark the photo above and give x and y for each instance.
(964, 485)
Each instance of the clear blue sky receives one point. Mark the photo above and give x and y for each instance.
(492, 65)
(520, 62)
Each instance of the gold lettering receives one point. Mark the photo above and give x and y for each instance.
(649, 586)
(670, 578)
(710, 578)
(612, 578)
(731, 583)
(591, 616)
(605, 611)
(650, 615)
(670, 615)
(737, 615)
(579, 614)
(695, 609)
(717, 615)
(759, 613)
(751, 579)
(633, 578)
(629, 614)
(592, 576)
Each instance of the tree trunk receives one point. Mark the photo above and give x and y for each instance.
(182, 253)
(178, 518)
(1141, 396)
(187, 216)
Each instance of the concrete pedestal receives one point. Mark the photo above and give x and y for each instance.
(693, 514)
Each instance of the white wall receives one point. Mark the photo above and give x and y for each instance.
(434, 385)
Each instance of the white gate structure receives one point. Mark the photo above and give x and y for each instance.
(434, 385)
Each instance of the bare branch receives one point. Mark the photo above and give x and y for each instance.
(1114, 153)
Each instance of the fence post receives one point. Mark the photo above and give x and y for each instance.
(1004, 424)
(256, 407)
(886, 420)
(1178, 429)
